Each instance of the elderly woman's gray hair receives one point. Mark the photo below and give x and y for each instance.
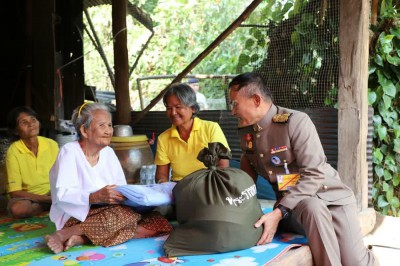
(83, 115)
(185, 94)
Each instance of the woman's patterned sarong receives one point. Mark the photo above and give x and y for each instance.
(115, 224)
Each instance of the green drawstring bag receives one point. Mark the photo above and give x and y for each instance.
(216, 209)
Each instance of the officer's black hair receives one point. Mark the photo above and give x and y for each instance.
(249, 78)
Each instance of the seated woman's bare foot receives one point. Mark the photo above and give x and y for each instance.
(142, 232)
(75, 241)
(54, 242)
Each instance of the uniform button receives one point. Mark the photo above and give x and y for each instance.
(261, 155)
(325, 187)
(258, 135)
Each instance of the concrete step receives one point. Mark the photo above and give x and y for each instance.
(300, 256)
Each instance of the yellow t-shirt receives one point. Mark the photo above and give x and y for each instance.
(181, 155)
(27, 172)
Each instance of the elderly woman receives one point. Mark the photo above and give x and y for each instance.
(178, 146)
(28, 162)
(86, 208)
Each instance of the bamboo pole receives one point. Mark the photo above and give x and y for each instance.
(200, 57)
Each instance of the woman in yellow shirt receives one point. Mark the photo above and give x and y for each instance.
(178, 146)
(28, 162)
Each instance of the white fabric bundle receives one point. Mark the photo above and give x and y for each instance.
(148, 195)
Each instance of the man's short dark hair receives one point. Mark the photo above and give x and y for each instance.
(248, 78)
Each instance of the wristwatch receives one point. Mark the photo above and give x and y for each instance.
(285, 211)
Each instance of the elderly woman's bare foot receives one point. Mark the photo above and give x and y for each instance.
(75, 241)
(142, 232)
(55, 243)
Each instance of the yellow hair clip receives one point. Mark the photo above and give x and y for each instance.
(80, 109)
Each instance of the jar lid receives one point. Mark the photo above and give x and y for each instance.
(130, 139)
(122, 131)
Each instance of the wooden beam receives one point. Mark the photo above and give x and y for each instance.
(28, 53)
(353, 97)
(121, 66)
(69, 57)
(42, 97)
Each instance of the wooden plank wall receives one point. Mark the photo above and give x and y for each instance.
(325, 120)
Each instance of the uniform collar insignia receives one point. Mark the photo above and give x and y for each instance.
(281, 118)
(257, 127)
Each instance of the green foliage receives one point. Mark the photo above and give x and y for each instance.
(384, 77)
(383, 95)
(188, 28)
(182, 30)
(296, 48)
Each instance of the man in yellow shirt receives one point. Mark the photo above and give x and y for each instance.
(28, 162)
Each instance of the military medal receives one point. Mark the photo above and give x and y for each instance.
(286, 167)
(279, 149)
(275, 160)
(249, 140)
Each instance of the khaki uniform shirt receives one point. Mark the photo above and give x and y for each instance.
(268, 144)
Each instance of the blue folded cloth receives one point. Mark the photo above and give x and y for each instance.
(148, 195)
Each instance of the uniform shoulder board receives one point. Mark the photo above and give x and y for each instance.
(281, 118)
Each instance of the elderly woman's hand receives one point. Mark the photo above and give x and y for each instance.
(107, 195)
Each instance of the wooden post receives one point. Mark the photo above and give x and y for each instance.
(353, 97)
(68, 60)
(121, 65)
(43, 62)
(28, 53)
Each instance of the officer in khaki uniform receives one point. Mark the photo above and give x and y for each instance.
(283, 146)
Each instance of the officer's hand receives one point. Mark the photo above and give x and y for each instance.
(270, 222)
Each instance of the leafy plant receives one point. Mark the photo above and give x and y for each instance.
(296, 50)
(182, 30)
(306, 62)
(383, 95)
